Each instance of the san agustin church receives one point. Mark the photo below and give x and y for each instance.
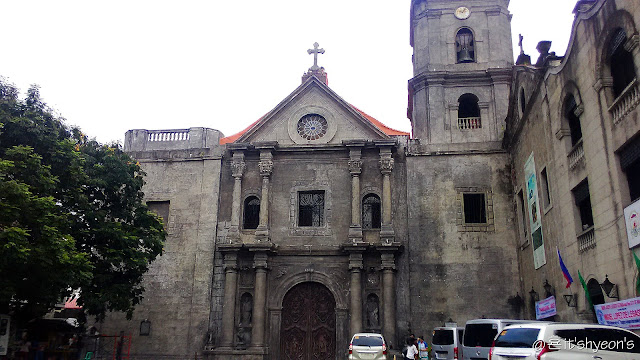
(318, 221)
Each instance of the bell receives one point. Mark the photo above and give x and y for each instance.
(464, 56)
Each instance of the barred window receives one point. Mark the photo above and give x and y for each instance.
(371, 212)
(311, 208)
(474, 209)
(251, 213)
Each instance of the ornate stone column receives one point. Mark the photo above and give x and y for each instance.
(355, 267)
(230, 264)
(237, 169)
(386, 165)
(355, 168)
(260, 257)
(388, 267)
(266, 168)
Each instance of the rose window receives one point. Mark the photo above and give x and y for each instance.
(312, 127)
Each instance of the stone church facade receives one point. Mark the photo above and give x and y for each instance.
(318, 221)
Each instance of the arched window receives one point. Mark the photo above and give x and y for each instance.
(575, 130)
(371, 212)
(251, 212)
(620, 62)
(465, 46)
(523, 101)
(595, 291)
(468, 112)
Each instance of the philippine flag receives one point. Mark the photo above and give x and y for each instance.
(565, 272)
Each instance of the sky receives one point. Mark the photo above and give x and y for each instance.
(111, 66)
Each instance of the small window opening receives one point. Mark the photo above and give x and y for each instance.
(474, 209)
(371, 212)
(251, 212)
(160, 208)
(523, 213)
(574, 121)
(523, 103)
(620, 62)
(311, 208)
(546, 194)
(465, 46)
(583, 202)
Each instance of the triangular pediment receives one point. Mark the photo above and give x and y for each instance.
(314, 114)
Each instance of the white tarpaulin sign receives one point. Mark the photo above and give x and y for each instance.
(535, 222)
(546, 308)
(632, 219)
(5, 321)
(623, 313)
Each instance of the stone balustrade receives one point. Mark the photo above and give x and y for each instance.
(626, 102)
(576, 155)
(587, 240)
(469, 123)
(175, 139)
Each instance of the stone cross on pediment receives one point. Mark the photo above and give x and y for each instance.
(315, 51)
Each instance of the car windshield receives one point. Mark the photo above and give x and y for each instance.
(517, 338)
(361, 340)
(479, 335)
(443, 337)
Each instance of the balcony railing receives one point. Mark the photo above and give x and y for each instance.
(168, 135)
(469, 123)
(576, 155)
(587, 240)
(626, 102)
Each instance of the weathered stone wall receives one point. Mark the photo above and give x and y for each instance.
(544, 131)
(455, 272)
(177, 299)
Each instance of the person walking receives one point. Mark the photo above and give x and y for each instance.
(423, 348)
(412, 350)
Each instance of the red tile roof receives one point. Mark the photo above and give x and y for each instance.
(382, 127)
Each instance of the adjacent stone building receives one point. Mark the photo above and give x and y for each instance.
(318, 221)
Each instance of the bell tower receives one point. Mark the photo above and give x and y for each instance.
(462, 59)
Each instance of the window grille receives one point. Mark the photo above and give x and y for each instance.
(311, 208)
(371, 212)
(251, 212)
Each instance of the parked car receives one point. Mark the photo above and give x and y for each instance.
(447, 343)
(367, 346)
(558, 341)
(479, 335)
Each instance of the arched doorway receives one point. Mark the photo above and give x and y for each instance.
(308, 329)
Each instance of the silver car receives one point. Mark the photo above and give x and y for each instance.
(447, 343)
(367, 346)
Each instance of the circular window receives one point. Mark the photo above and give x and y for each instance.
(312, 127)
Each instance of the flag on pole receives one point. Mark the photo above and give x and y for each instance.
(638, 266)
(586, 290)
(565, 271)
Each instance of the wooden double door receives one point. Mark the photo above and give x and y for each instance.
(308, 328)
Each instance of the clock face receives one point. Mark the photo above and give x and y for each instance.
(462, 13)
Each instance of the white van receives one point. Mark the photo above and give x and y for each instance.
(446, 343)
(479, 335)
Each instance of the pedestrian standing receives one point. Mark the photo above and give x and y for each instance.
(423, 348)
(412, 350)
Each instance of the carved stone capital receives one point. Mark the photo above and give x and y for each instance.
(386, 165)
(355, 261)
(237, 168)
(632, 43)
(387, 261)
(266, 167)
(260, 260)
(355, 167)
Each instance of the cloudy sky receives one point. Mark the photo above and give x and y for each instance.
(111, 66)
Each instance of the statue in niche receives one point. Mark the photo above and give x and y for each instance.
(246, 309)
(373, 316)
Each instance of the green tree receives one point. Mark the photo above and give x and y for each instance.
(72, 215)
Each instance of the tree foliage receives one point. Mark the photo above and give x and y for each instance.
(72, 215)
